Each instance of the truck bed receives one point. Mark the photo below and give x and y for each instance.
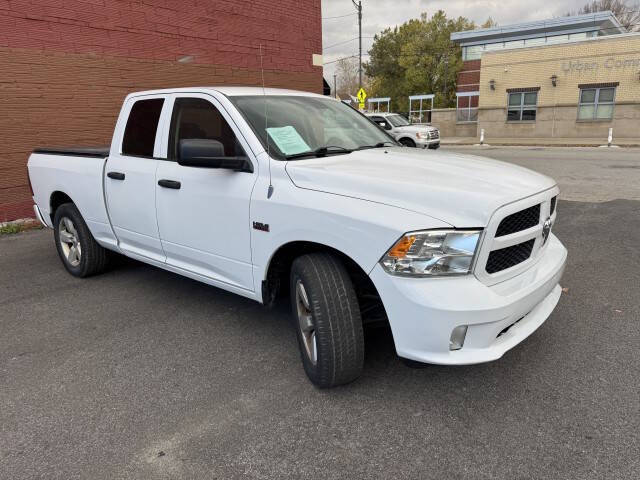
(97, 152)
(78, 174)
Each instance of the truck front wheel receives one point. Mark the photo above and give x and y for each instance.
(80, 253)
(407, 142)
(327, 319)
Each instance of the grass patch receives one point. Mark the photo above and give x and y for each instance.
(13, 228)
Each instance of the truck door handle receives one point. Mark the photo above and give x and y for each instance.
(169, 184)
(116, 175)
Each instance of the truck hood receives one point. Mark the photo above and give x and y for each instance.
(461, 190)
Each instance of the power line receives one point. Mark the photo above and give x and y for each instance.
(343, 58)
(337, 60)
(339, 16)
(342, 43)
(339, 43)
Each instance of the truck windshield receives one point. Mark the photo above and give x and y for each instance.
(398, 121)
(299, 126)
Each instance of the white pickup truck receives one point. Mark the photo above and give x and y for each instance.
(249, 190)
(408, 134)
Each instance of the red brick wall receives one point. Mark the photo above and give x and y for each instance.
(469, 77)
(66, 65)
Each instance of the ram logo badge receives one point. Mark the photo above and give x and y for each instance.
(261, 226)
(546, 230)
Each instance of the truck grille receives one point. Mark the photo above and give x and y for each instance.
(514, 238)
(434, 134)
(516, 222)
(508, 257)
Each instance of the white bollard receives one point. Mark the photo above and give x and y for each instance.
(481, 136)
(610, 140)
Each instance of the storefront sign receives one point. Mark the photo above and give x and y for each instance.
(611, 63)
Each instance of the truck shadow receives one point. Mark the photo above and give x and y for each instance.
(230, 319)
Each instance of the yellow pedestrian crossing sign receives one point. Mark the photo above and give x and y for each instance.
(361, 95)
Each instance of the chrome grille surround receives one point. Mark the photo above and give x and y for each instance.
(490, 242)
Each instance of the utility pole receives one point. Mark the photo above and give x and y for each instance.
(446, 74)
(335, 90)
(359, 9)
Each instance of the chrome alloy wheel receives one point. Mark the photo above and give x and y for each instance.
(305, 322)
(69, 241)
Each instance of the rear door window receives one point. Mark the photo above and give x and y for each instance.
(140, 132)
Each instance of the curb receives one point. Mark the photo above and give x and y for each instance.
(518, 144)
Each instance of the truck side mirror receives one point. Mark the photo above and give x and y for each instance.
(208, 153)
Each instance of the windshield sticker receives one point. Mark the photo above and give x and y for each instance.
(288, 140)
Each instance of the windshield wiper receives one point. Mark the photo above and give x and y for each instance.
(377, 145)
(320, 152)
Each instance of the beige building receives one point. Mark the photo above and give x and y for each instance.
(571, 77)
(576, 89)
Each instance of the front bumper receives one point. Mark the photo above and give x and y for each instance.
(424, 311)
(423, 143)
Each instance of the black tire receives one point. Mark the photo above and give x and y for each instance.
(334, 311)
(434, 146)
(93, 258)
(407, 142)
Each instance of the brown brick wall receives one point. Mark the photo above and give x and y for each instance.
(66, 66)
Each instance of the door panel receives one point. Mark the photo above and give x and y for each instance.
(130, 180)
(204, 224)
(132, 207)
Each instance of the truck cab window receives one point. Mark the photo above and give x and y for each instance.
(140, 132)
(198, 118)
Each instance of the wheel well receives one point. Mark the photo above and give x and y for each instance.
(276, 284)
(407, 138)
(57, 199)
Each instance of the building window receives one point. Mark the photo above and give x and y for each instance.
(522, 107)
(467, 106)
(473, 52)
(596, 103)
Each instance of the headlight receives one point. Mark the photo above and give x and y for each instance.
(422, 135)
(432, 252)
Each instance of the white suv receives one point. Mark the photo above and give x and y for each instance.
(416, 135)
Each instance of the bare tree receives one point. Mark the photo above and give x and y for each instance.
(490, 23)
(627, 13)
(347, 77)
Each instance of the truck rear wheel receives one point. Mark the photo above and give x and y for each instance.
(80, 253)
(327, 320)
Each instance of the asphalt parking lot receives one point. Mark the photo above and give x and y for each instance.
(140, 373)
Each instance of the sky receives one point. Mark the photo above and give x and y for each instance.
(380, 14)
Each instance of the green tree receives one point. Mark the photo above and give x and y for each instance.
(417, 57)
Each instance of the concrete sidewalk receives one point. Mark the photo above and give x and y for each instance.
(549, 142)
